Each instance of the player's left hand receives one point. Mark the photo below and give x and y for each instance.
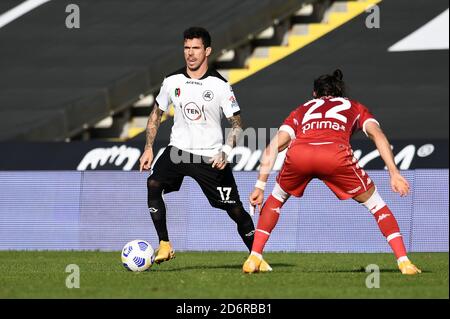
(219, 160)
(399, 184)
(256, 198)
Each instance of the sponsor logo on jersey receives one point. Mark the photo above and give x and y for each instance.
(194, 82)
(177, 92)
(228, 201)
(208, 95)
(192, 111)
(320, 125)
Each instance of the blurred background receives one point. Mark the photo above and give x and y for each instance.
(79, 79)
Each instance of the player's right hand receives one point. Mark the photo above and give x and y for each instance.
(256, 198)
(146, 159)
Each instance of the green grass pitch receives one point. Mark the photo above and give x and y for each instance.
(35, 274)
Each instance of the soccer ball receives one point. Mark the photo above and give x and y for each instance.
(138, 255)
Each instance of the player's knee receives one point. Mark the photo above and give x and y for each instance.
(374, 203)
(279, 193)
(238, 214)
(364, 197)
(154, 189)
(235, 211)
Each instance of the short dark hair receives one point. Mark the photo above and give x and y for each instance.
(330, 84)
(198, 33)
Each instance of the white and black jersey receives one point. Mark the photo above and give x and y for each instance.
(199, 105)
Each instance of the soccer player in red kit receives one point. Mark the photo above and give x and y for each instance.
(317, 135)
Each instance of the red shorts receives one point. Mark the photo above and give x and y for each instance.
(332, 163)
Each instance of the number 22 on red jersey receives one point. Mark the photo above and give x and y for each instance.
(327, 119)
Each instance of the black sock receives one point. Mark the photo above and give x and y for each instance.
(157, 209)
(245, 225)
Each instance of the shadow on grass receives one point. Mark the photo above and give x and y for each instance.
(225, 267)
(275, 266)
(359, 270)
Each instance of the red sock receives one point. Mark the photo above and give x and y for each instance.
(389, 227)
(268, 218)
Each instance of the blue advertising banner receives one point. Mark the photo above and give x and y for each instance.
(102, 210)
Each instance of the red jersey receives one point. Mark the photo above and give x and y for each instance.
(327, 119)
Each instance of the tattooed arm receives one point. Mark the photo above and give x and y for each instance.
(220, 160)
(235, 132)
(153, 123)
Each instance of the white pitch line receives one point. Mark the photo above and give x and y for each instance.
(19, 11)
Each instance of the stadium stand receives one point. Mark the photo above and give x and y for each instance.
(58, 82)
(95, 86)
(405, 90)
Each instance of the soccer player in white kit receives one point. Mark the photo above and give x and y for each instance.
(200, 96)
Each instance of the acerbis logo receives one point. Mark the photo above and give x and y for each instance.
(192, 111)
(113, 155)
(208, 95)
(194, 82)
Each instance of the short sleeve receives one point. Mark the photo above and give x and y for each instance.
(163, 98)
(290, 125)
(365, 117)
(228, 102)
